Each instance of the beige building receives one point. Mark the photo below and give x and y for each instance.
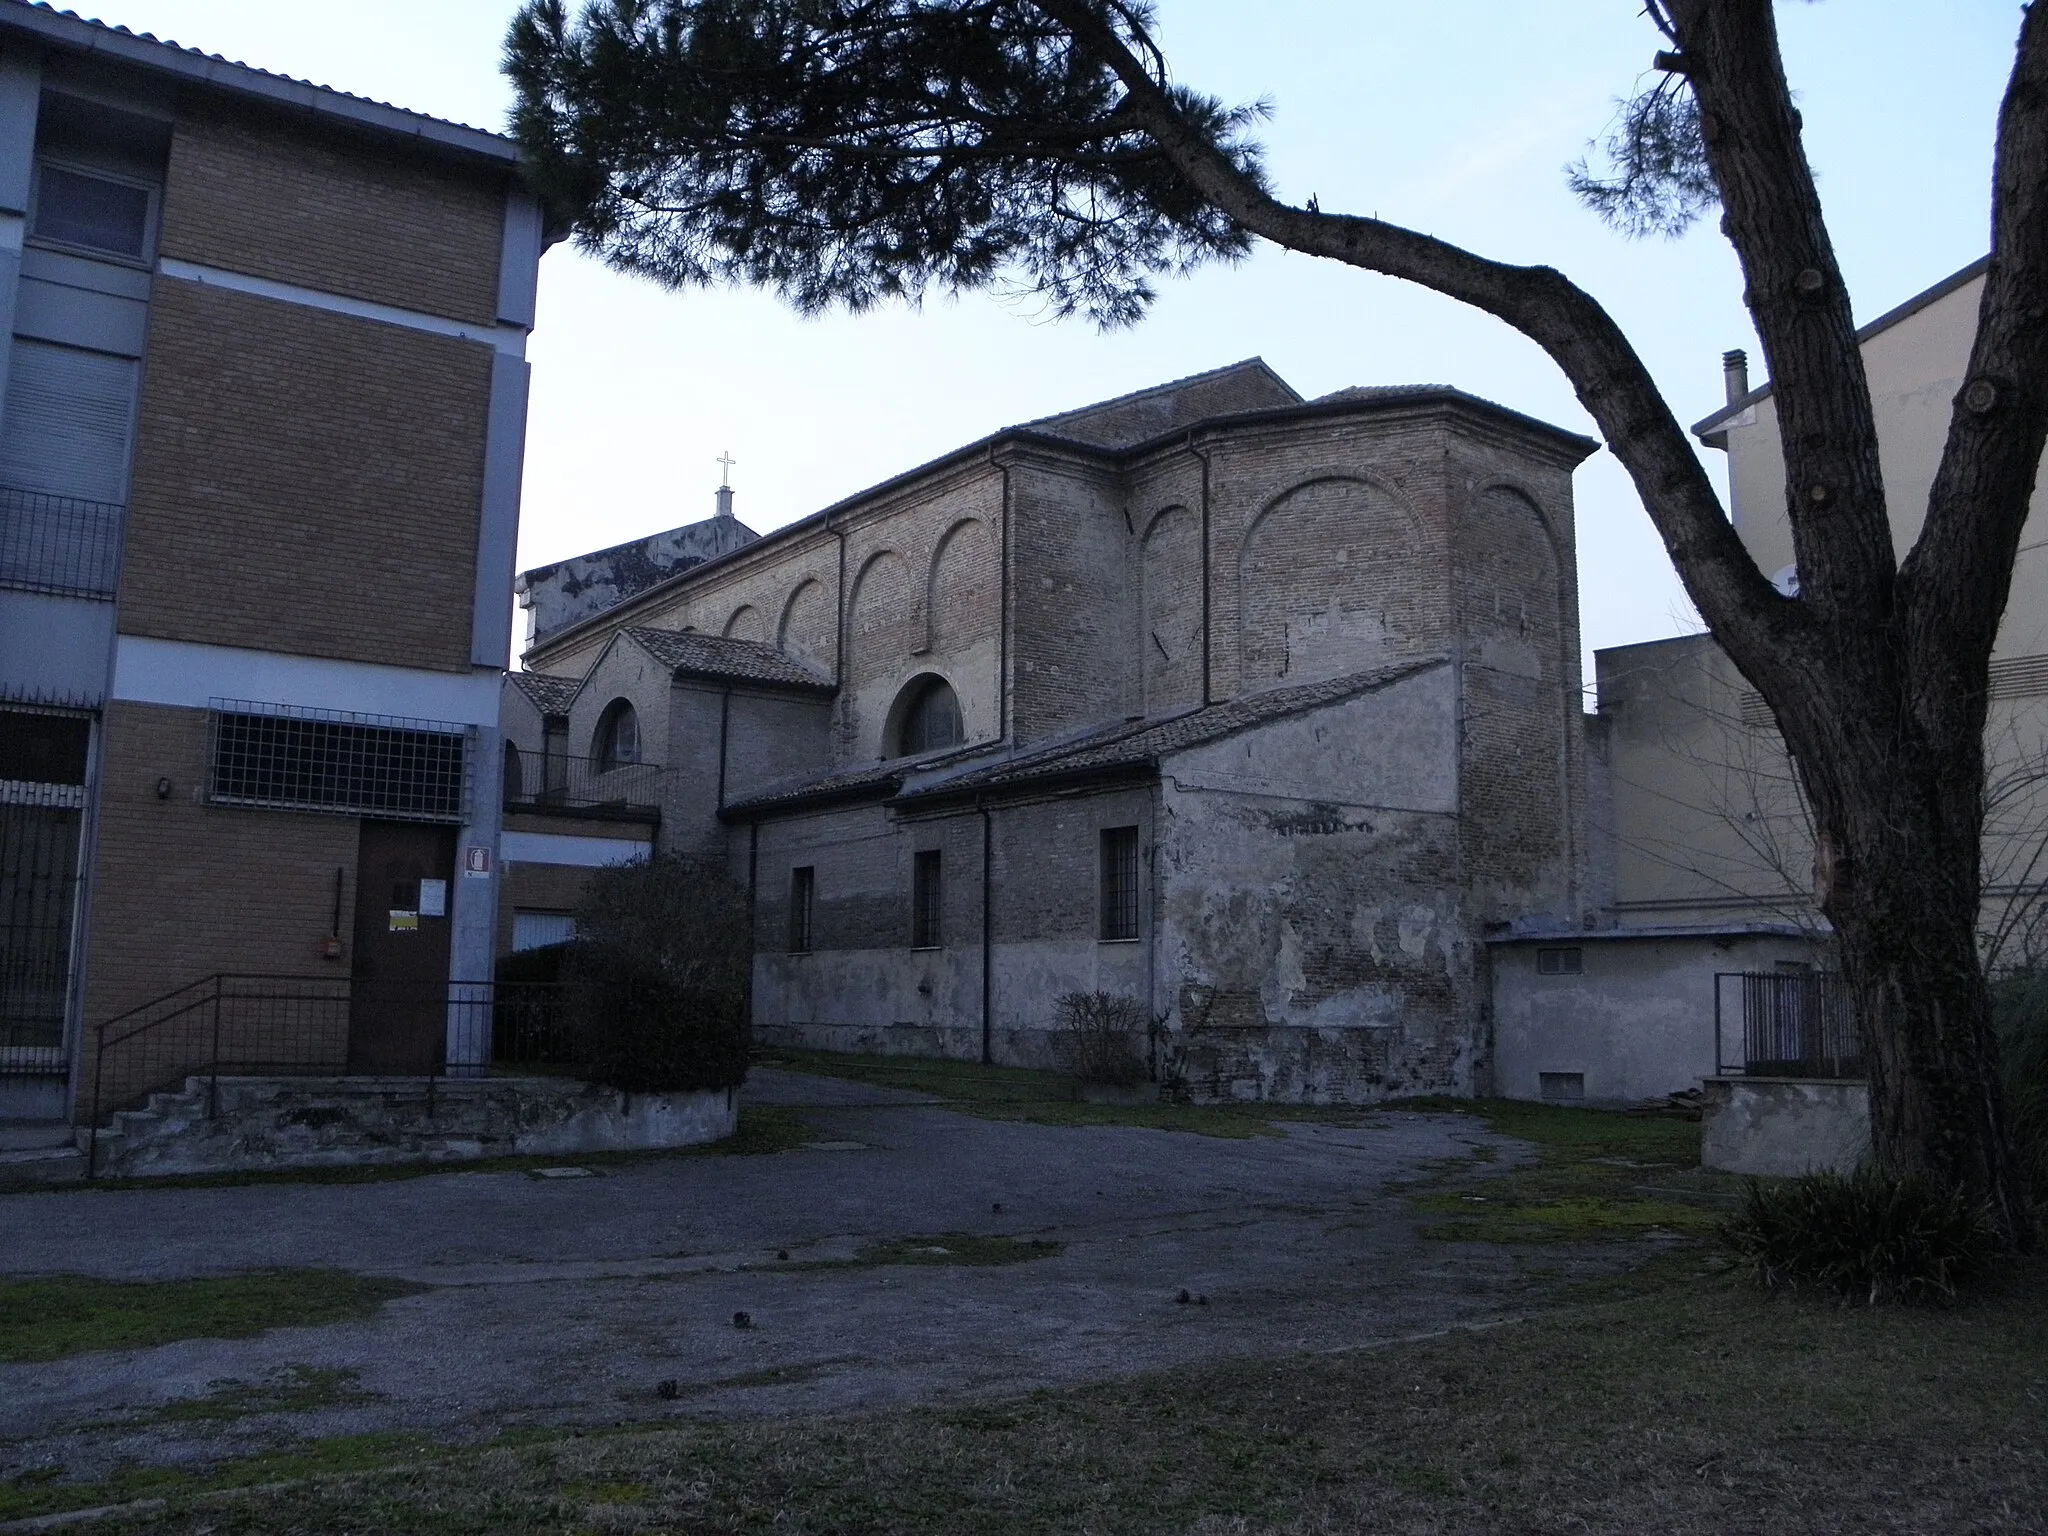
(1706, 821)
(1708, 946)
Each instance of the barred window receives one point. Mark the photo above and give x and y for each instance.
(1560, 962)
(313, 760)
(924, 901)
(1119, 883)
(803, 884)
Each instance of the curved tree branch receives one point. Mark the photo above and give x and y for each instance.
(1763, 631)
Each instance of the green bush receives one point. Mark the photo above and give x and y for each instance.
(658, 977)
(543, 965)
(2020, 1009)
(1868, 1235)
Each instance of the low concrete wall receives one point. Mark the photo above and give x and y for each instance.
(283, 1122)
(1784, 1126)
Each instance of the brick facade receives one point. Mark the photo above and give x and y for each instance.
(252, 195)
(285, 459)
(182, 889)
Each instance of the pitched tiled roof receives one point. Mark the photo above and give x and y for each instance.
(1172, 407)
(690, 654)
(1136, 743)
(86, 34)
(550, 694)
(1125, 746)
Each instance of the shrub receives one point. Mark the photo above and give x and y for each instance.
(2020, 1011)
(1867, 1235)
(658, 976)
(1098, 1037)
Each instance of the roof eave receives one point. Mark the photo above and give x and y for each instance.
(75, 35)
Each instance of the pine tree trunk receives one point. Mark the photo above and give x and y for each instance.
(1897, 873)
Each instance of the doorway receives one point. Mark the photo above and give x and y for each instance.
(398, 993)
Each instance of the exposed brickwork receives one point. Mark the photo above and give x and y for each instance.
(537, 887)
(304, 482)
(283, 202)
(183, 889)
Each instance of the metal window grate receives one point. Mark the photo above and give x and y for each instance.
(1120, 882)
(1560, 962)
(925, 907)
(318, 760)
(38, 885)
(59, 544)
(803, 885)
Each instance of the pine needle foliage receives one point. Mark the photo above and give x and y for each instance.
(847, 152)
(1865, 1236)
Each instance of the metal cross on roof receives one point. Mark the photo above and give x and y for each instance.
(728, 461)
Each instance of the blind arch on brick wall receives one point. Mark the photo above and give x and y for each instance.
(746, 624)
(1331, 580)
(808, 628)
(962, 588)
(1170, 610)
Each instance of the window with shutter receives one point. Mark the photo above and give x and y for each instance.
(67, 421)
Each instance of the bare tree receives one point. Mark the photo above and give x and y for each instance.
(851, 150)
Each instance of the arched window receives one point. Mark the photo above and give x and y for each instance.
(927, 717)
(618, 736)
(515, 781)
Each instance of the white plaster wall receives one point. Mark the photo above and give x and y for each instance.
(1638, 1023)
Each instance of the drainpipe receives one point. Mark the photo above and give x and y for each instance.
(1203, 455)
(724, 720)
(1003, 609)
(987, 935)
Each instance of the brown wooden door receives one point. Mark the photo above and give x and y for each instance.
(398, 996)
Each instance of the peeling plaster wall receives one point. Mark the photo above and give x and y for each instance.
(1312, 936)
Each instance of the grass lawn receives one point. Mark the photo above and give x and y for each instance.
(1043, 1098)
(1693, 1406)
(50, 1317)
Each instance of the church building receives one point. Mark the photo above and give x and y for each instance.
(1260, 712)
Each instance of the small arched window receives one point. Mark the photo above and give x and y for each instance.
(515, 780)
(618, 736)
(928, 717)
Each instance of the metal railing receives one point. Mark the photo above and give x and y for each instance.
(59, 544)
(581, 785)
(1786, 1024)
(322, 1026)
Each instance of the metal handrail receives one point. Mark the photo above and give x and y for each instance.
(526, 1025)
(63, 545)
(1792, 1024)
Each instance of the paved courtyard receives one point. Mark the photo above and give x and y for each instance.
(553, 1301)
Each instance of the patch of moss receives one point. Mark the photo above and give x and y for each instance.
(58, 1315)
(295, 1389)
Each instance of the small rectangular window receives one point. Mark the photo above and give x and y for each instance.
(924, 901)
(537, 930)
(36, 748)
(93, 213)
(1560, 962)
(1119, 883)
(803, 881)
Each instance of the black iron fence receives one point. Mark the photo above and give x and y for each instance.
(59, 544)
(1786, 1024)
(324, 1026)
(38, 886)
(586, 785)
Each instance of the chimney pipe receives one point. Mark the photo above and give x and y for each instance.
(725, 501)
(1735, 373)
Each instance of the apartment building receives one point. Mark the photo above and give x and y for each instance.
(261, 427)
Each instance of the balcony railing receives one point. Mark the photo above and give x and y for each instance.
(581, 785)
(59, 544)
(1786, 1024)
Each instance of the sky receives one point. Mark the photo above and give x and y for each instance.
(1454, 116)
